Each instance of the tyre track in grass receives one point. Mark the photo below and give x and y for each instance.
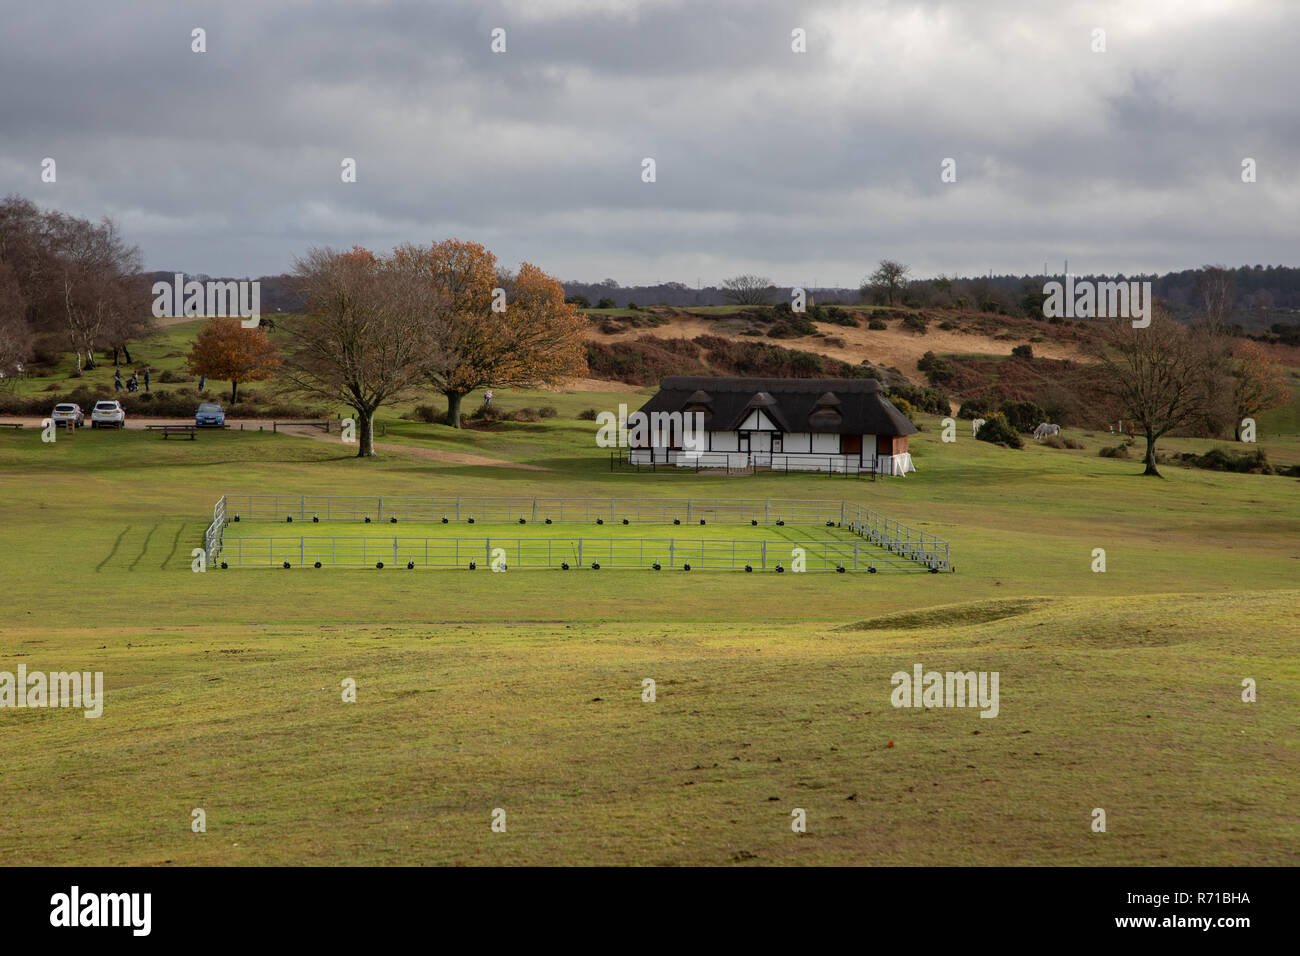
(109, 557)
(175, 543)
(143, 548)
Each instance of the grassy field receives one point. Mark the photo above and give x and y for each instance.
(1119, 690)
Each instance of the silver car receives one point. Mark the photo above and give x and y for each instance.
(68, 412)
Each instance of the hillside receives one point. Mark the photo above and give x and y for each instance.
(894, 347)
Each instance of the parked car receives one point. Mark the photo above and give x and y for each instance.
(68, 412)
(210, 415)
(108, 414)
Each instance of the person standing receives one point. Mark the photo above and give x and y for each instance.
(487, 398)
(117, 380)
(146, 379)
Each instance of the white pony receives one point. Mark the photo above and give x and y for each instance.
(1043, 430)
(975, 427)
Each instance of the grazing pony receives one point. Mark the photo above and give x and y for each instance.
(975, 427)
(1043, 430)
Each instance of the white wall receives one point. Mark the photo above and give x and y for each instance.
(797, 442)
(757, 421)
(825, 443)
(724, 441)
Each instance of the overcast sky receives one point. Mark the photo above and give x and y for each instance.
(804, 167)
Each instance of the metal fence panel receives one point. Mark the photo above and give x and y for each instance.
(902, 546)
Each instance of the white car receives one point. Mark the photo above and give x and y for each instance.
(108, 415)
(68, 412)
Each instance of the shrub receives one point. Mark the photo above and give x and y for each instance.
(1023, 351)
(1220, 459)
(904, 406)
(547, 411)
(581, 301)
(936, 369)
(525, 415)
(587, 415)
(948, 325)
(486, 413)
(835, 341)
(838, 316)
(606, 303)
(974, 408)
(634, 307)
(999, 431)
(929, 400)
(877, 325)
(1116, 451)
(168, 377)
(425, 413)
(915, 323)
(792, 325)
(1023, 416)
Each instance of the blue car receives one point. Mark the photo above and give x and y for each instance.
(210, 415)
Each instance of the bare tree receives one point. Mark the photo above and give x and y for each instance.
(130, 317)
(1217, 289)
(96, 269)
(890, 278)
(362, 341)
(1156, 374)
(15, 333)
(748, 289)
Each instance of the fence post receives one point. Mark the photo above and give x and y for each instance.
(487, 552)
(579, 552)
(855, 555)
(688, 510)
(671, 547)
(301, 545)
(841, 512)
(764, 560)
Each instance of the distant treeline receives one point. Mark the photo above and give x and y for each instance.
(1262, 295)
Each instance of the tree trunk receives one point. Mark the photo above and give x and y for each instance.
(1151, 456)
(125, 351)
(1236, 429)
(453, 408)
(115, 350)
(365, 433)
(90, 359)
(234, 392)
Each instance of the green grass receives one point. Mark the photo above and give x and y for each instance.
(523, 690)
(537, 545)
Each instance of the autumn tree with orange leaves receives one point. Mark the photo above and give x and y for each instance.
(490, 327)
(1260, 383)
(225, 350)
